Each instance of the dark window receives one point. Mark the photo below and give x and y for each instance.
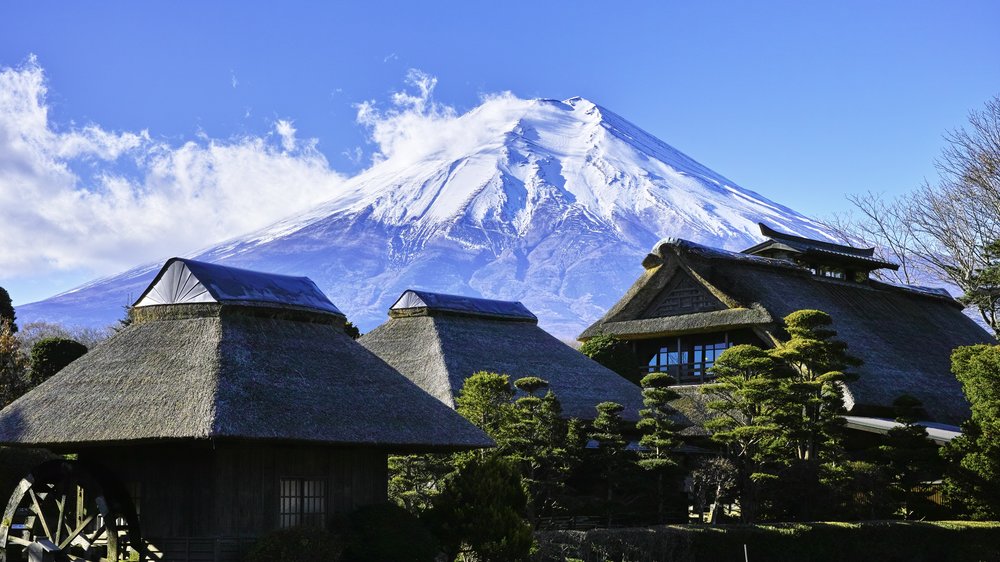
(687, 361)
(303, 502)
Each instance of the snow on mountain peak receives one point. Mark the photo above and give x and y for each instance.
(550, 202)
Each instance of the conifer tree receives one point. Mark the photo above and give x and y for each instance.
(613, 461)
(749, 399)
(819, 362)
(486, 400)
(910, 456)
(7, 310)
(659, 436)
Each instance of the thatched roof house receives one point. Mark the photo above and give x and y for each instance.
(692, 302)
(220, 353)
(439, 340)
(235, 404)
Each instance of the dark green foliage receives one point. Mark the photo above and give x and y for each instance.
(882, 541)
(51, 355)
(7, 310)
(659, 438)
(614, 354)
(486, 400)
(910, 458)
(973, 477)
(613, 463)
(125, 321)
(351, 330)
(819, 362)
(481, 510)
(13, 365)
(378, 533)
(414, 480)
(537, 444)
(750, 397)
(295, 545)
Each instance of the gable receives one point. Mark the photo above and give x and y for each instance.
(682, 295)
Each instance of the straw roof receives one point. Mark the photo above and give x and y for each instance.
(904, 335)
(250, 371)
(438, 347)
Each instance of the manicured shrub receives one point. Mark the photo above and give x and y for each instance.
(378, 533)
(295, 545)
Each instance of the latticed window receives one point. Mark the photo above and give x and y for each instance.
(686, 361)
(303, 502)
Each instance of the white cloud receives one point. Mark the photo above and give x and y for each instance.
(416, 127)
(65, 204)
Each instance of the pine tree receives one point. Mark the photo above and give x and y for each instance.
(415, 480)
(486, 400)
(7, 310)
(613, 462)
(819, 362)
(659, 436)
(749, 397)
(911, 458)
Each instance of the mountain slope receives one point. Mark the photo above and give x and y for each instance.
(553, 203)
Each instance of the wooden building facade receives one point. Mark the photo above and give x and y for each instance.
(692, 302)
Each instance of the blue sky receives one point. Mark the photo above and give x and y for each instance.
(803, 102)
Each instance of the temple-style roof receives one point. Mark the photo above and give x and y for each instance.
(438, 351)
(234, 370)
(816, 251)
(904, 335)
(184, 281)
(413, 303)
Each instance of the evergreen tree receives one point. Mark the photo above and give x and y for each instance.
(749, 397)
(51, 355)
(7, 310)
(910, 456)
(614, 354)
(973, 473)
(415, 480)
(486, 400)
(659, 436)
(539, 445)
(481, 511)
(613, 462)
(819, 362)
(351, 330)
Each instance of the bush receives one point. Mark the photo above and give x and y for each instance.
(51, 355)
(888, 541)
(295, 545)
(378, 533)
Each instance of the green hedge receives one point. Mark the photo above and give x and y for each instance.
(884, 541)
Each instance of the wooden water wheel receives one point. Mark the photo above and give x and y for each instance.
(67, 510)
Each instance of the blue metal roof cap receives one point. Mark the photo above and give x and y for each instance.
(412, 299)
(184, 281)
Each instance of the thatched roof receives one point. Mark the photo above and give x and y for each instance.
(439, 347)
(221, 371)
(819, 251)
(904, 335)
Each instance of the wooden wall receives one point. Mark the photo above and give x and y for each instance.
(230, 491)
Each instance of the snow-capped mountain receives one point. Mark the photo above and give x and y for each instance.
(553, 203)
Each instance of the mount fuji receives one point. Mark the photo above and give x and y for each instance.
(553, 203)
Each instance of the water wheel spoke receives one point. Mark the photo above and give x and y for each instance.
(18, 540)
(74, 535)
(62, 519)
(38, 511)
